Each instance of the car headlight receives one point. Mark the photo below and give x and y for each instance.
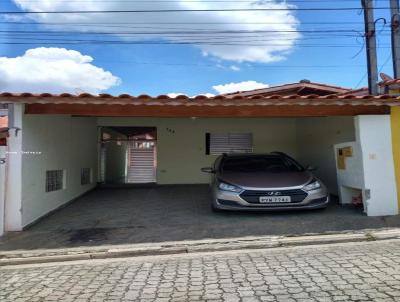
(312, 186)
(228, 187)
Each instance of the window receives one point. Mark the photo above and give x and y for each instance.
(86, 176)
(54, 180)
(260, 163)
(217, 144)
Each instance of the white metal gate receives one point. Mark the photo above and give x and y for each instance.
(141, 161)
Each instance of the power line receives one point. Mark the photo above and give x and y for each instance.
(213, 43)
(201, 1)
(196, 1)
(173, 23)
(188, 32)
(189, 10)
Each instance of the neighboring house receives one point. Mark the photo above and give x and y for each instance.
(61, 146)
(3, 130)
(302, 88)
(3, 124)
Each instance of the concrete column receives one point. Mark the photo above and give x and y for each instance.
(13, 196)
(2, 187)
(374, 134)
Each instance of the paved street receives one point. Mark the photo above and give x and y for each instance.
(368, 271)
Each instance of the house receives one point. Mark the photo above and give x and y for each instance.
(302, 88)
(62, 146)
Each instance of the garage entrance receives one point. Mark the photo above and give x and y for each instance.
(175, 149)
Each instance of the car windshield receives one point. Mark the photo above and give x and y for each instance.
(267, 163)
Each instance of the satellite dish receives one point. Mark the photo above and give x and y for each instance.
(385, 77)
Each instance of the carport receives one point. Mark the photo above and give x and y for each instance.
(57, 146)
(121, 215)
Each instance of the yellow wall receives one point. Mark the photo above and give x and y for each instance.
(395, 121)
(181, 141)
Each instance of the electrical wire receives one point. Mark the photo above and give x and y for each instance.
(314, 9)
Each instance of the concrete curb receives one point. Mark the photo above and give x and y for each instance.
(184, 247)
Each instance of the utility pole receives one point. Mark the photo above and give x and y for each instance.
(395, 25)
(370, 42)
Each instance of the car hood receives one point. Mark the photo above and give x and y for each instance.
(267, 179)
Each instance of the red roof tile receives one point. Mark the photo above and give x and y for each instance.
(182, 100)
(303, 87)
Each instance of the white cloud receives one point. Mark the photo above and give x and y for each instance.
(249, 46)
(234, 68)
(209, 95)
(241, 86)
(53, 70)
(175, 94)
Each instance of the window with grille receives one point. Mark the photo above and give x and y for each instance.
(217, 144)
(54, 180)
(86, 176)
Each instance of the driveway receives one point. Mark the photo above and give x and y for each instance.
(173, 213)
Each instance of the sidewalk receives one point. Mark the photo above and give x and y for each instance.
(185, 247)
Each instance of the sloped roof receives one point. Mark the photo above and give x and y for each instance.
(202, 106)
(304, 87)
(183, 100)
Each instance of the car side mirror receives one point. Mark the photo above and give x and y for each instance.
(311, 168)
(208, 170)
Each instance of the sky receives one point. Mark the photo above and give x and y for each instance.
(186, 52)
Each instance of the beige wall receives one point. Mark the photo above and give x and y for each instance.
(315, 140)
(70, 143)
(181, 142)
(65, 142)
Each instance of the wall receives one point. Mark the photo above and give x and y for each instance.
(64, 142)
(2, 188)
(115, 157)
(181, 142)
(13, 221)
(395, 126)
(374, 136)
(315, 140)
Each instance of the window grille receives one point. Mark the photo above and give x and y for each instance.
(54, 180)
(229, 143)
(86, 177)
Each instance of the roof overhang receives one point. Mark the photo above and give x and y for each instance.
(201, 106)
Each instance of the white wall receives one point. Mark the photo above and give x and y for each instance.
(64, 142)
(315, 140)
(13, 199)
(374, 136)
(2, 188)
(181, 141)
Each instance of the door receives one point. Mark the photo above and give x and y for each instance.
(141, 161)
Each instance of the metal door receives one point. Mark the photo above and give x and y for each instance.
(141, 161)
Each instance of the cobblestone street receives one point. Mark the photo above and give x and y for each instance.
(340, 272)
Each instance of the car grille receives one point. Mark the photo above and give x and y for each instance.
(251, 196)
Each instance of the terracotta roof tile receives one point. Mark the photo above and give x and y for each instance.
(182, 100)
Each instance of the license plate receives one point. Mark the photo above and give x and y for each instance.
(274, 199)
